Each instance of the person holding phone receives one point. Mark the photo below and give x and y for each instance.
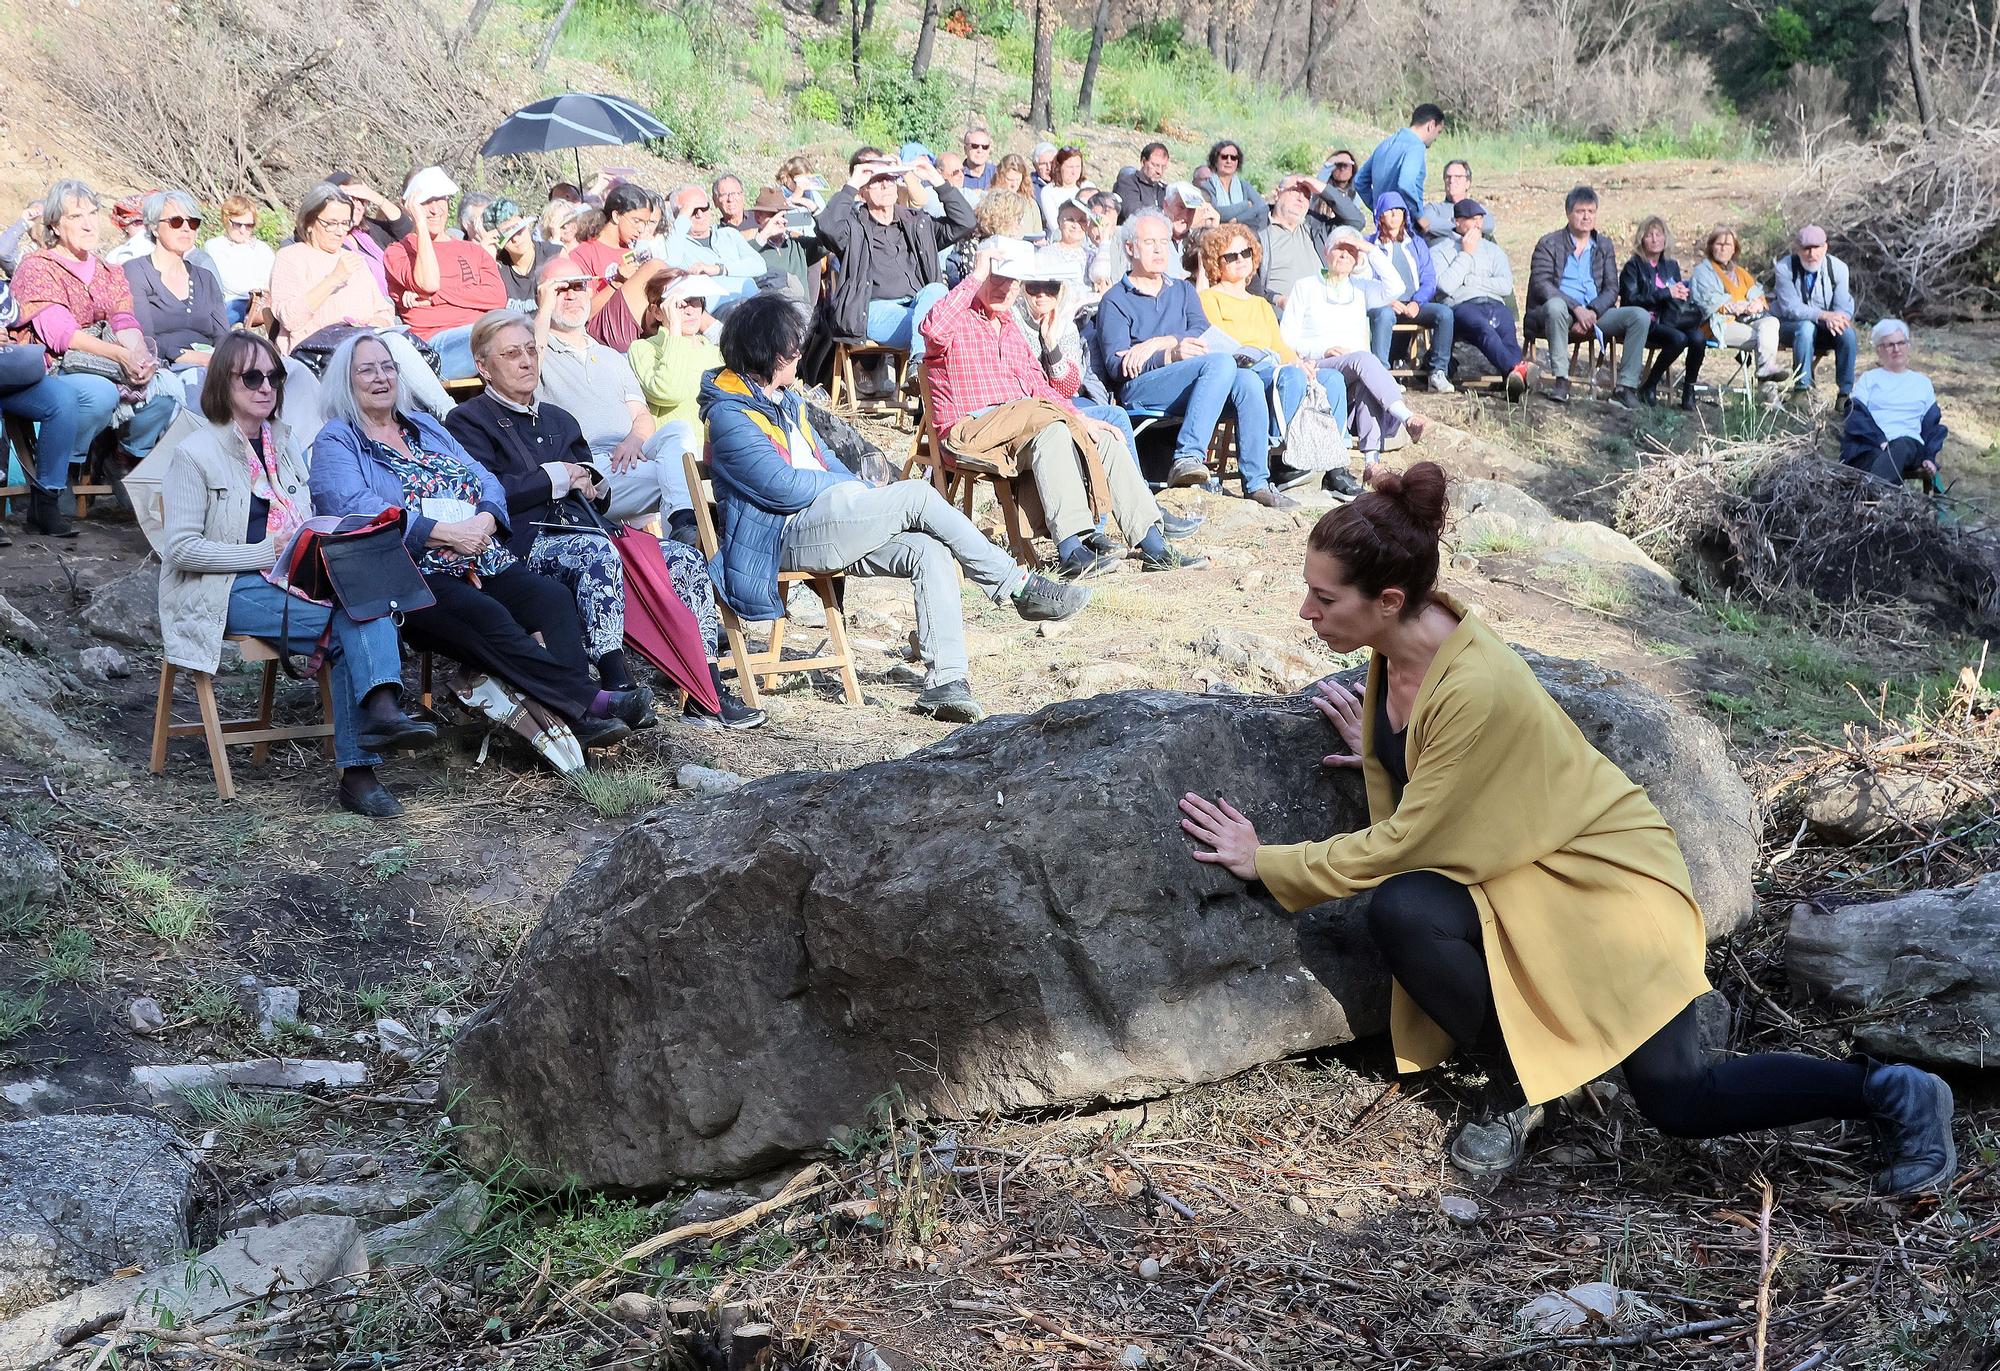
(785, 231)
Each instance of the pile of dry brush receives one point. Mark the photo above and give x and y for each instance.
(1774, 520)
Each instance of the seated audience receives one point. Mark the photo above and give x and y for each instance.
(242, 259)
(541, 460)
(1334, 203)
(378, 223)
(558, 224)
(520, 255)
(1573, 295)
(29, 390)
(178, 305)
(890, 274)
(1066, 186)
(377, 452)
(1043, 158)
(1150, 330)
(1294, 242)
(1326, 323)
(68, 298)
(1410, 282)
(696, 245)
(991, 399)
(236, 490)
(1221, 180)
(979, 166)
(1230, 257)
(566, 192)
(20, 238)
(676, 350)
(1069, 245)
(1476, 280)
(631, 216)
(472, 226)
(1000, 214)
(796, 178)
(595, 384)
(1815, 308)
(1105, 262)
(951, 166)
(128, 218)
(1437, 223)
(441, 285)
(785, 501)
(784, 249)
(1397, 163)
(1143, 186)
(1894, 430)
(1733, 299)
(1651, 280)
(1012, 175)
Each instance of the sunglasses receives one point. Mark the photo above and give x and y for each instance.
(702, 209)
(181, 221)
(1042, 288)
(1343, 166)
(691, 302)
(570, 287)
(979, 147)
(243, 223)
(256, 378)
(1228, 156)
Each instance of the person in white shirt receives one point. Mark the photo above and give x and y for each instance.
(1894, 430)
(242, 259)
(1326, 324)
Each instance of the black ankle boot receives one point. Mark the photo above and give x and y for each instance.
(1687, 396)
(45, 514)
(1913, 1121)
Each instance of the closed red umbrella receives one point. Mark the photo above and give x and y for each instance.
(657, 625)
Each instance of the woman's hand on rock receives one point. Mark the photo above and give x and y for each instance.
(1342, 709)
(1230, 838)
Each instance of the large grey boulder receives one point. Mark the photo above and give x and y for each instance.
(29, 872)
(84, 1195)
(126, 609)
(31, 731)
(1009, 918)
(1932, 958)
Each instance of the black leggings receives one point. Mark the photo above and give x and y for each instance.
(491, 627)
(1428, 928)
(1672, 342)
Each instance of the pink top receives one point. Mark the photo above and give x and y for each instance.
(301, 266)
(59, 295)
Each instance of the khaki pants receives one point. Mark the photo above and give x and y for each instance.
(1733, 333)
(1052, 459)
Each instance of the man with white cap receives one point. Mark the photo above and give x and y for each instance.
(991, 398)
(1188, 209)
(440, 285)
(1815, 308)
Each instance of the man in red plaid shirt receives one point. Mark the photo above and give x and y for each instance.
(986, 380)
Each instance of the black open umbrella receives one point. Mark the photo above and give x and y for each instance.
(573, 121)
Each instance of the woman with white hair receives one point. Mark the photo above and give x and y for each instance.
(71, 301)
(1894, 430)
(179, 305)
(378, 451)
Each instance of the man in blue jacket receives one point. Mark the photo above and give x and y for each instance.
(1398, 161)
(1815, 307)
(786, 502)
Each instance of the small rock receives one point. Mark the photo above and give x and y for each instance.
(1464, 561)
(127, 609)
(1149, 1269)
(429, 1238)
(706, 1206)
(804, 608)
(267, 1073)
(17, 627)
(442, 1020)
(1297, 1204)
(706, 780)
(29, 872)
(1250, 580)
(105, 663)
(1132, 1356)
(392, 1039)
(309, 1163)
(1230, 558)
(1459, 1210)
(1849, 807)
(635, 1309)
(1101, 678)
(870, 620)
(273, 1005)
(1054, 628)
(1568, 1154)
(903, 673)
(1350, 1210)
(1270, 662)
(144, 1016)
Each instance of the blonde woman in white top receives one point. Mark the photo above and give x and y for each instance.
(1326, 323)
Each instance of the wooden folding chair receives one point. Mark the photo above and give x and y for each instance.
(957, 476)
(844, 393)
(21, 435)
(221, 734)
(1413, 355)
(770, 664)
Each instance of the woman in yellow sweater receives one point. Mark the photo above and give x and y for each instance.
(1530, 901)
(1230, 259)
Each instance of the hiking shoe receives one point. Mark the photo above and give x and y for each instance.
(1185, 472)
(1913, 1119)
(735, 714)
(593, 733)
(1174, 560)
(1626, 398)
(1842, 403)
(1517, 382)
(1047, 600)
(1284, 477)
(1174, 525)
(634, 707)
(951, 702)
(1559, 391)
(1102, 543)
(1441, 384)
(1487, 1147)
(391, 732)
(369, 798)
(1271, 499)
(1340, 484)
(1084, 563)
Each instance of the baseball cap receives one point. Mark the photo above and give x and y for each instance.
(504, 217)
(1812, 236)
(1468, 208)
(1188, 193)
(430, 184)
(1011, 258)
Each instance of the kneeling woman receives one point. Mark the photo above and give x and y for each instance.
(235, 493)
(1529, 899)
(378, 452)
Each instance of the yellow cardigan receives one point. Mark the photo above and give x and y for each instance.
(1249, 319)
(1593, 939)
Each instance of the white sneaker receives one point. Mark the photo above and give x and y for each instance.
(1441, 384)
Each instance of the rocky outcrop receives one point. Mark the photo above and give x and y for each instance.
(126, 609)
(1924, 968)
(1009, 918)
(1496, 515)
(1849, 806)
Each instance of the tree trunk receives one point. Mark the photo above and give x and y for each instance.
(1312, 45)
(1318, 36)
(854, 39)
(868, 15)
(554, 33)
(827, 11)
(1920, 81)
(1041, 107)
(1099, 26)
(470, 30)
(920, 65)
(1264, 68)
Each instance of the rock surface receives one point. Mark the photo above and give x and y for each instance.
(30, 731)
(1852, 806)
(1933, 957)
(264, 1073)
(21, 631)
(83, 1195)
(1009, 918)
(126, 609)
(28, 870)
(1486, 513)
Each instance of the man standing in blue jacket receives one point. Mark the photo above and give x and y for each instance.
(1398, 161)
(1815, 307)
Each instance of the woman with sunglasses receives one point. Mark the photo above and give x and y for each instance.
(1234, 198)
(675, 348)
(242, 259)
(235, 492)
(1230, 259)
(179, 306)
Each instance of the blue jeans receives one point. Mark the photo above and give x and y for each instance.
(898, 323)
(70, 411)
(1433, 316)
(1118, 419)
(1197, 389)
(1290, 382)
(1808, 338)
(360, 657)
(1489, 326)
(454, 349)
(1381, 328)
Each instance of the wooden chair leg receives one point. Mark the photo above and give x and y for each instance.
(163, 717)
(777, 651)
(1018, 541)
(326, 709)
(739, 652)
(424, 678)
(211, 732)
(836, 634)
(267, 691)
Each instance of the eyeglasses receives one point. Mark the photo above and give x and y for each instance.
(570, 287)
(518, 352)
(1343, 166)
(1228, 156)
(332, 225)
(181, 221)
(1238, 255)
(1892, 344)
(243, 223)
(256, 378)
(979, 147)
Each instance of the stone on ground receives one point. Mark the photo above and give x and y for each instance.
(1007, 919)
(432, 1236)
(126, 609)
(1931, 957)
(29, 872)
(1853, 806)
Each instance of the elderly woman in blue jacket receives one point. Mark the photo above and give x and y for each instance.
(786, 502)
(378, 451)
(1404, 258)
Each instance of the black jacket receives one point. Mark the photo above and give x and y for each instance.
(845, 315)
(513, 446)
(1863, 445)
(1637, 285)
(1551, 254)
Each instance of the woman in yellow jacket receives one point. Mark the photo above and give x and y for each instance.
(1529, 899)
(1231, 257)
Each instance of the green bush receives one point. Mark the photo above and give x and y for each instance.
(695, 127)
(1158, 40)
(1299, 154)
(992, 18)
(891, 106)
(818, 104)
(1073, 44)
(770, 57)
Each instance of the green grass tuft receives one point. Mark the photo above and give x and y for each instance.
(158, 903)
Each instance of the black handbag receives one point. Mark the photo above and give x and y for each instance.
(357, 564)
